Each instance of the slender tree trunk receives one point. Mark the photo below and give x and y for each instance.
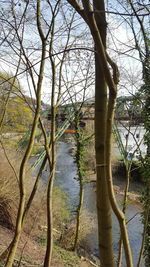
(81, 194)
(146, 220)
(120, 216)
(48, 255)
(80, 177)
(18, 229)
(52, 164)
(128, 169)
(22, 172)
(28, 205)
(52, 161)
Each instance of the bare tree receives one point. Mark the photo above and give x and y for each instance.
(22, 172)
(135, 16)
(103, 129)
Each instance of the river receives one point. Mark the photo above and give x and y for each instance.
(65, 174)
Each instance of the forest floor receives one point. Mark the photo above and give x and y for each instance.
(31, 251)
(32, 244)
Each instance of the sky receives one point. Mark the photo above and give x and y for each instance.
(78, 64)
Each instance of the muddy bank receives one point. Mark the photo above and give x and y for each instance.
(119, 187)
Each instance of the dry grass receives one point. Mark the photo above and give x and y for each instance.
(9, 194)
(86, 227)
(34, 232)
(9, 187)
(9, 191)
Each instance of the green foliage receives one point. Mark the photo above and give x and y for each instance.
(36, 150)
(8, 84)
(18, 116)
(11, 143)
(41, 240)
(130, 106)
(69, 258)
(145, 89)
(61, 210)
(146, 203)
(23, 142)
(82, 140)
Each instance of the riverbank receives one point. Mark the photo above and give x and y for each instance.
(31, 252)
(66, 172)
(119, 177)
(135, 188)
(66, 179)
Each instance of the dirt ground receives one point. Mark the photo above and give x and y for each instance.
(32, 244)
(33, 252)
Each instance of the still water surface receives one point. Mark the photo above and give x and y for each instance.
(65, 174)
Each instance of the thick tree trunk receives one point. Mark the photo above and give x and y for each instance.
(103, 203)
(95, 19)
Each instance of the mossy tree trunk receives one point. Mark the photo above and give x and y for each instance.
(80, 175)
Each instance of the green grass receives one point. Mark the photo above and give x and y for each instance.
(69, 258)
(41, 240)
(36, 149)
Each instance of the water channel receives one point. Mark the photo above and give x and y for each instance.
(65, 174)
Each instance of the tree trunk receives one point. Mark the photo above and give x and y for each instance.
(128, 170)
(51, 159)
(120, 216)
(79, 162)
(22, 173)
(103, 203)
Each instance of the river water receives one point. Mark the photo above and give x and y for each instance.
(65, 174)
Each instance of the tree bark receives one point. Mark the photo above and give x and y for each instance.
(103, 203)
(79, 162)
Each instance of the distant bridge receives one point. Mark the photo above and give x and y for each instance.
(62, 117)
